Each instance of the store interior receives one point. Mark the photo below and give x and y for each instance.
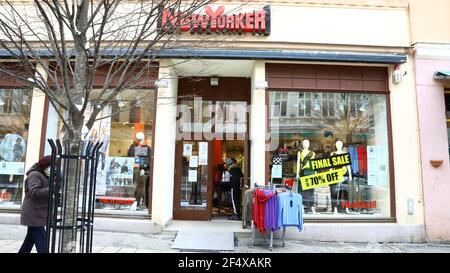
(223, 149)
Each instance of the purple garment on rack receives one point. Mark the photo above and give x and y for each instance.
(271, 212)
(290, 215)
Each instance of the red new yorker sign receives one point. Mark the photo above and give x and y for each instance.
(216, 21)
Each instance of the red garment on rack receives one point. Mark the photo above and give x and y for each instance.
(259, 201)
(362, 159)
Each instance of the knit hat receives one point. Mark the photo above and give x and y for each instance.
(45, 162)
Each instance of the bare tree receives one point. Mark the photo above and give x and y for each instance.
(63, 47)
(349, 117)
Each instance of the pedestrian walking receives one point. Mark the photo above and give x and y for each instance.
(35, 206)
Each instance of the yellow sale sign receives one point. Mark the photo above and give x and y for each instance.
(322, 179)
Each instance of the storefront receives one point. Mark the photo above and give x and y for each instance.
(125, 127)
(15, 105)
(15, 115)
(271, 97)
(309, 84)
(314, 109)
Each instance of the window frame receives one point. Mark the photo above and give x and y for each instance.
(393, 212)
(26, 92)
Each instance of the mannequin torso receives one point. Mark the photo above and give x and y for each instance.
(304, 169)
(346, 170)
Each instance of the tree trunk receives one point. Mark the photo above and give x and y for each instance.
(349, 138)
(76, 119)
(73, 137)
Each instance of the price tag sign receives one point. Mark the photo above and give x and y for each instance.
(322, 179)
(277, 171)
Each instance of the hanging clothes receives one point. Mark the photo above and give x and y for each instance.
(259, 201)
(247, 210)
(290, 210)
(362, 159)
(271, 214)
(352, 150)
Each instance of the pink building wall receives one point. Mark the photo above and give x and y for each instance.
(434, 146)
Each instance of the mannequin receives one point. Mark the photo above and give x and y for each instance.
(142, 154)
(348, 172)
(303, 169)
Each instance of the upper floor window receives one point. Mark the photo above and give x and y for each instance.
(280, 104)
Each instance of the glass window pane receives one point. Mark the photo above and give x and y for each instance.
(363, 189)
(308, 104)
(301, 104)
(194, 177)
(15, 107)
(125, 127)
(447, 104)
(325, 105)
(331, 102)
(283, 108)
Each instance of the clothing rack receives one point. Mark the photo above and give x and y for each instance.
(267, 187)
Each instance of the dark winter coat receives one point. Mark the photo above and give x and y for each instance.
(236, 175)
(35, 204)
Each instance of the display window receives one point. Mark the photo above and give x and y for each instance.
(333, 149)
(15, 107)
(125, 127)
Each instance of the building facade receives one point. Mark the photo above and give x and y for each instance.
(431, 42)
(300, 70)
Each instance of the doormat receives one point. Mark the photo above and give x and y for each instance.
(204, 240)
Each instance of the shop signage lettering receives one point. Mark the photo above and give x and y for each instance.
(334, 161)
(322, 179)
(121, 201)
(216, 21)
(359, 204)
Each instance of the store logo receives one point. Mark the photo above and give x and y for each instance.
(216, 21)
(359, 204)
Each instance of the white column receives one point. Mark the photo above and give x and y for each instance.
(52, 128)
(406, 147)
(164, 150)
(35, 129)
(258, 119)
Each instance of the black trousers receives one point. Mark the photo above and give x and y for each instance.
(235, 191)
(236, 199)
(308, 196)
(36, 236)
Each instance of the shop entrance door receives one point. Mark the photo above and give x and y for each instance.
(193, 180)
(207, 116)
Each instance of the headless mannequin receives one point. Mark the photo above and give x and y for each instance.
(339, 145)
(300, 156)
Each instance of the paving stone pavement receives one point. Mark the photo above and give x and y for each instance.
(11, 237)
